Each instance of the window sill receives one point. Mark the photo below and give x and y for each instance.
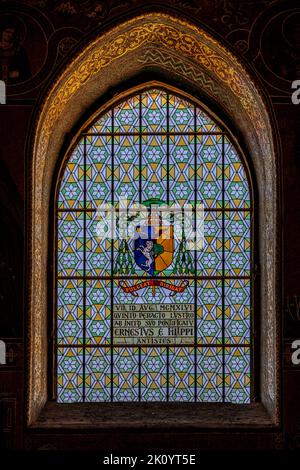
(147, 416)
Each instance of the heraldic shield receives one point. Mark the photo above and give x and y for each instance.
(154, 246)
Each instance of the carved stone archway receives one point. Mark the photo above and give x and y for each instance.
(178, 48)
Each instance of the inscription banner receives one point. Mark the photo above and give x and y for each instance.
(144, 324)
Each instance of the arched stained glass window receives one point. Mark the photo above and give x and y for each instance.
(144, 316)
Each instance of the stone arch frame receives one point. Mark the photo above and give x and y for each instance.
(171, 45)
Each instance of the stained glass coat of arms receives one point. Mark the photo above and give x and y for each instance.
(141, 313)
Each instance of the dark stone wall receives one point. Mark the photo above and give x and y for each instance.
(264, 34)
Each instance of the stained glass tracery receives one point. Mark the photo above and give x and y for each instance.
(162, 147)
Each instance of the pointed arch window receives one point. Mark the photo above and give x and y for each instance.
(146, 319)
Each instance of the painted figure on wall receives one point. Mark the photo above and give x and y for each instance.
(14, 62)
